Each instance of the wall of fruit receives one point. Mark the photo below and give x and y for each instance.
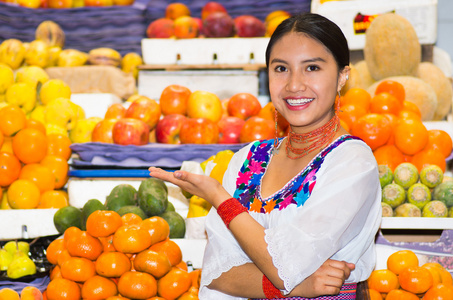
(101, 248)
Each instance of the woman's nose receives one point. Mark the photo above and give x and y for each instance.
(296, 82)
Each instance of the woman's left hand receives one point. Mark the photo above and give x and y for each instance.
(201, 185)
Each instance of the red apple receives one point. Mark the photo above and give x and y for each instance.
(244, 106)
(173, 99)
(161, 28)
(230, 129)
(199, 131)
(218, 25)
(257, 128)
(115, 111)
(129, 131)
(145, 109)
(200, 24)
(102, 132)
(249, 26)
(210, 8)
(168, 128)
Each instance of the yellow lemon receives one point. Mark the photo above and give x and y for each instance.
(37, 54)
(55, 128)
(31, 75)
(276, 13)
(38, 114)
(23, 194)
(53, 89)
(130, 63)
(273, 23)
(6, 77)
(12, 53)
(22, 95)
(54, 54)
(81, 133)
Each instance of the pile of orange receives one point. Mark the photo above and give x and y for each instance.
(33, 165)
(405, 279)
(393, 127)
(119, 257)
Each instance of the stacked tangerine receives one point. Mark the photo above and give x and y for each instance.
(119, 257)
(393, 127)
(33, 165)
(405, 279)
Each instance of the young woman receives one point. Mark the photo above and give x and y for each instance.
(295, 217)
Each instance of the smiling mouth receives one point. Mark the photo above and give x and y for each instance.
(298, 102)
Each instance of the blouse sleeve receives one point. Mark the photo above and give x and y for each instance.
(342, 215)
(222, 251)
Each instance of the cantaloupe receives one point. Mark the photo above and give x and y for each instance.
(391, 47)
(417, 91)
(435, 77)
(365, 77)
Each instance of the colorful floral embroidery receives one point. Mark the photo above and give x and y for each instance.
(297, 191)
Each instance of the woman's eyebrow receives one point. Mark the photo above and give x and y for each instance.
(311, 60)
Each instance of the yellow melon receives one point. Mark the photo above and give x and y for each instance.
(391, 47)
(417, 91)
(365, 77)
(435, 77)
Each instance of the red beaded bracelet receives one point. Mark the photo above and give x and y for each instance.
(270, 291)
(229, 209)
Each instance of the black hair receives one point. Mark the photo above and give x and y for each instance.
(317, 27)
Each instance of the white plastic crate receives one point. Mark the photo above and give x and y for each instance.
(224, 83)
(353, 17)
(204, 51)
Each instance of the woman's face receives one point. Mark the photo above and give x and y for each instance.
(303, 81)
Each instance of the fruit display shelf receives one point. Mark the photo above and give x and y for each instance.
(86, 28)
(104, 155)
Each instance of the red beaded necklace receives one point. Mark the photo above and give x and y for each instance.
(315, 138)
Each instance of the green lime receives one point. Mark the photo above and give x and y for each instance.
(66, 217)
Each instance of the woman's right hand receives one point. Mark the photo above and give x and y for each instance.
(327, 280)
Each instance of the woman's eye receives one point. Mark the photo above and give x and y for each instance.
(280, 69)
(312, 68)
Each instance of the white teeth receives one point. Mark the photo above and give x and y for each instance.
(295, 102)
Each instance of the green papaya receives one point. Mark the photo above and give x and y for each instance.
(121, 195)
(152, 196)
(176, 222)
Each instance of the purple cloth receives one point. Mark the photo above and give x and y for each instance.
(153, 154)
